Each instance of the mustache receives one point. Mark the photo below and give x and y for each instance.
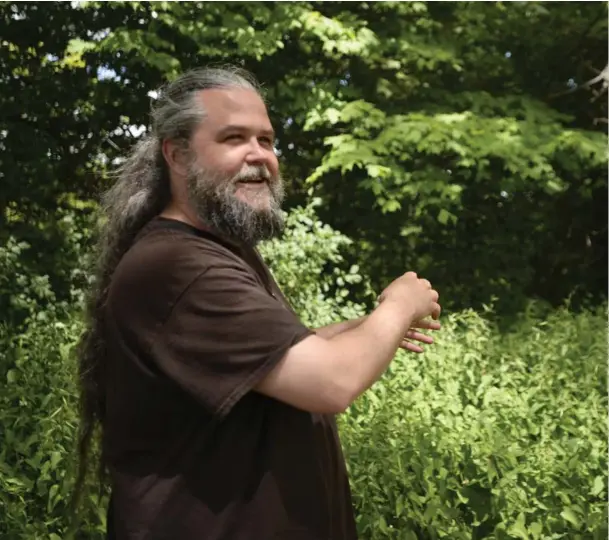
(251, 173)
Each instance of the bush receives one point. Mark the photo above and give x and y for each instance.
(41, 274)
(309, 265)
(39, 327)
(38, 422)
(486, 435)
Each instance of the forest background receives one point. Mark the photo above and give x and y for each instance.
(464, 140)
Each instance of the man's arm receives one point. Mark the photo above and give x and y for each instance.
(327, 375)
(331, 330)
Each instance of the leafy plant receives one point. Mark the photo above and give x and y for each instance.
(308, 262)
(489, 434)
(438, 135)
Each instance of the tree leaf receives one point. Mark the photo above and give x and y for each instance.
(569, 515)
(518, 529)
(598, 486)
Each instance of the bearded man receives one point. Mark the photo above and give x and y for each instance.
(215, 403)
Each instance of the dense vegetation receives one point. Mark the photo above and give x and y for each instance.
(457, 139)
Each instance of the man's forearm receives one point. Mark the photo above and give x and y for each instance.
(331, 330)
(363, 352)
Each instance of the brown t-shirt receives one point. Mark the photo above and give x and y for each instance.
(193, 324)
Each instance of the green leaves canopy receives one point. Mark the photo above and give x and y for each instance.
(438, 136)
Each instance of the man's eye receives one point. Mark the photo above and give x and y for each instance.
(233, 137)
(266, 141)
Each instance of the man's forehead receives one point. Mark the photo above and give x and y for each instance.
(222, 105)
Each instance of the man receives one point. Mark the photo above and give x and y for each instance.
(216, 404)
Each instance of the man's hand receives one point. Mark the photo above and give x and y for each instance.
(412, 334)
(414, 287)
(416, 295)
(423, 299)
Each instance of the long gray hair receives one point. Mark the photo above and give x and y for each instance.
(141, 191)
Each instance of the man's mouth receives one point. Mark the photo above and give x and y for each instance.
(253, 181)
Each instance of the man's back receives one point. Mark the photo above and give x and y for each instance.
(193, 325)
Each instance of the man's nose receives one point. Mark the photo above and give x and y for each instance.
(256, 154)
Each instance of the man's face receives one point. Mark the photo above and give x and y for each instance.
(234, 183)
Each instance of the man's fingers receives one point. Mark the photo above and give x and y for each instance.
(412, 347)
(426, 324)
(411, 334)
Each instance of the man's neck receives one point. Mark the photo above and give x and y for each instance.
(174, 211)
(186, 215)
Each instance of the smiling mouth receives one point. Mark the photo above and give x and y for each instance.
(254, 181)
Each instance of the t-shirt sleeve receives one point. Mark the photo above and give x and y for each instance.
(225, 334)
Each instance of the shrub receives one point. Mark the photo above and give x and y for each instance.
(21, 291)
(40, 275)
(486, 435)
(37, 427)
(308, 264)
(39, 327)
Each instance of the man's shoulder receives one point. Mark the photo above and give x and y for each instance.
(168, 259)
(171, 247)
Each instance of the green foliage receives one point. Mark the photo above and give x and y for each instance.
(37, 281)
(460, 176)
(38, 418)
(433, 136)
(487, 435)
(438, 136)
(309, 264)
(21, 293)
(37, 427)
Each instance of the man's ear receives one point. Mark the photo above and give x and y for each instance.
(176, 158)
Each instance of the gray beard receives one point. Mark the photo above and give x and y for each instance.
(213, 199)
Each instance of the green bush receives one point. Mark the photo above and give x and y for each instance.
(22, 292)
(37, 427)
(486, 435)
(38, 417)
(39, 277)
(309, 265)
